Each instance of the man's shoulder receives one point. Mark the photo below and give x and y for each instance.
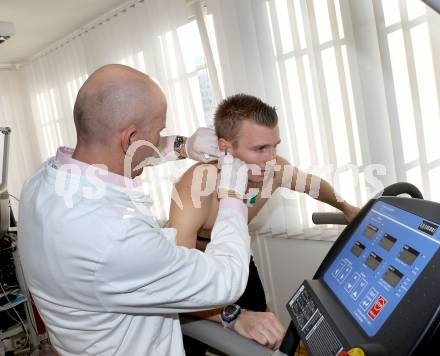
(198, 185)
(202, 166)
(199, 172)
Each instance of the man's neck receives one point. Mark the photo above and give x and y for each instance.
(100, 156)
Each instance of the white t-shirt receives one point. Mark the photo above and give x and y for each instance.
(103, 274)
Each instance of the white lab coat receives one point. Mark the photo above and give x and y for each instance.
(103, 275)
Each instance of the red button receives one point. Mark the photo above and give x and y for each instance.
(377, 307)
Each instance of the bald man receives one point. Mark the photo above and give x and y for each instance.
(106, 279)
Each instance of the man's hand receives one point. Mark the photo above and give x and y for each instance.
(263, 327)
(202, 145)
(233, 177)
(350, 212)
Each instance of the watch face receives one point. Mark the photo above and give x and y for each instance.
(229, 314)
(230, 309)
(178, 143)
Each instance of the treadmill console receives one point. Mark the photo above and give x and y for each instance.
(380, 262)
(378, 287)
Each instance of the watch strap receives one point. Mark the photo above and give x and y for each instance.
(229, 318)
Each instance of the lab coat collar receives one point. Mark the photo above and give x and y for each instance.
(64, 164)
(64, 156)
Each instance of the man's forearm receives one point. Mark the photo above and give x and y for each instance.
(321, 190)
(213, 315)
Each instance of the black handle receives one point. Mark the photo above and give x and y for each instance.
(329, 218)
(396, 189)
(291, 341)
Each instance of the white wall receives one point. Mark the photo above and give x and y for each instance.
(283, 264)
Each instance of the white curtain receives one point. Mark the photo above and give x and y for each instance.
(409, 42)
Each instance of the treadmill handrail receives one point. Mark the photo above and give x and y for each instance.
(222, 339)
(391, 190)
(329, 218)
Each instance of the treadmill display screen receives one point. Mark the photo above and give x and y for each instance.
(392, 276)
(380, 262)
(387, 242)
(373, 261)
(357, 249)
(370, 231)
(408, 255)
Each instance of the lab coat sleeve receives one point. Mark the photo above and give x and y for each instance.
(142, 272)
(166, 148)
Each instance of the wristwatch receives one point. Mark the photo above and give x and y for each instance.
(179, 146)
(229, 315)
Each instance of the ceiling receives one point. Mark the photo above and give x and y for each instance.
(39, 23)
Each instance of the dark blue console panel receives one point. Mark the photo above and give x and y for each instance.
(380, 263)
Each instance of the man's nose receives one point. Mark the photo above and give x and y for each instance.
(271, 154)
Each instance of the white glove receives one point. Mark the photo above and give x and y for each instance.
(233, 177)
(202, 146)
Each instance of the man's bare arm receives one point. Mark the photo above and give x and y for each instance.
(316, 187)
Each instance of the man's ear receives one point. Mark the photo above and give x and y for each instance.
(127, 137)
(224, 145)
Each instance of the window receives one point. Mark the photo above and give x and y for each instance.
(191, 104)
(408, 46)
(50, 121)
(310, 50)
(189, 84)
